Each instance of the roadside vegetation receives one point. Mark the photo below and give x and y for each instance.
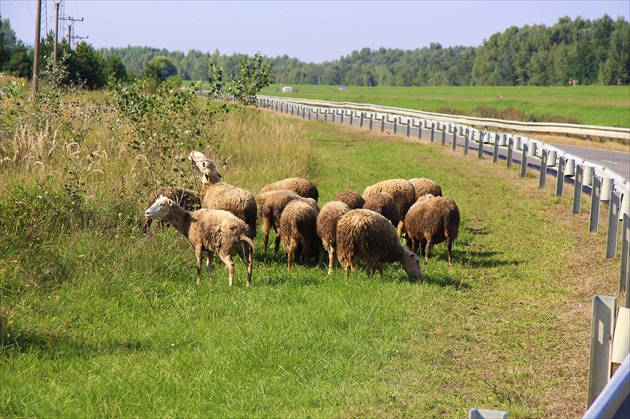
(98, 320)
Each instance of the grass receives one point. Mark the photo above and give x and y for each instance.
(98, 320)
(590, 105)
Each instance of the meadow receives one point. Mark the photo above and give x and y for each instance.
(98, 320)
(589, 105)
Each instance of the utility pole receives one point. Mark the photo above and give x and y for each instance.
(38, 26)
(71, 20)
(56, 31)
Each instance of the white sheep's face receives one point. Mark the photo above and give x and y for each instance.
(411, 264)
(204, 165)
(159, 209)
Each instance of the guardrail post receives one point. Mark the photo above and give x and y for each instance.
(361, 122)
(562, 161)
(524, 149)
(596, 193)
(342, 115)
(454, 142)
(613, 224)
(543, 168)
(577, 192)
(467, 140)
(480, 149)
(432, 130)
(624, 272)
(395, 125)
(602, 323)
(351, 116)
(443, 133)
(420, 128)
(510, 151)
(495, 151)
(408, 126)
(371, 121)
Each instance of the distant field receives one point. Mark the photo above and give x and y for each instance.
(589, 105)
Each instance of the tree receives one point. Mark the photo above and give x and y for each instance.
(253, 77)
(86, 66)
(115, 69)
(159, 68)
(21, 62)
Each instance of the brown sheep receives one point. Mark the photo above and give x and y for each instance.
(327, 228)
(368, 236)
(384, 204)
(401, 190)
(351, 198)
(210, 230)
(270, 206)
(298, 230)
(432, 220)
(300, 186)
(424, 186)
(186, 198)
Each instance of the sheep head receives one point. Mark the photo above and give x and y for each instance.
(204, 165)
(159, 209)
(411, 264)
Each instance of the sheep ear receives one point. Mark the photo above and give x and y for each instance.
(170, 202)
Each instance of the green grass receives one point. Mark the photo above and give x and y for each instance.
(98, 320)
(590, 105)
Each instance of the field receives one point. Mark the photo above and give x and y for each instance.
(98, 320)
(589, 105)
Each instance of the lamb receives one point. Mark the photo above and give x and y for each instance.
(270, 205)
(298, 230)
(223, 196)
(401, 190)
(215, 231)
(327, 228)
(300, 186)
(384, 204)
(186, 198)
(365, 235)
(432, 220)
(424, 186)
(351, 198)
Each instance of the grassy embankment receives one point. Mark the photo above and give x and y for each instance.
(589, 105)
(98, 320)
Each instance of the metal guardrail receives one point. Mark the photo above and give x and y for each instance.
(518, 126)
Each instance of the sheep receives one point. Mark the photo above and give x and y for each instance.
(425, 186)
(401, 190)
(223, 196)
(270, 206)
(327, 227)
(365, 235)
(215, 231)
(298, 230)
(300, 186)
(384, 204)
(351, 198)
(432, 220)
(186, 198)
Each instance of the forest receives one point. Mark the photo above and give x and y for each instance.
(588, 52)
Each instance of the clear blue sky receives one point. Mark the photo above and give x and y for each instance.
(312, 31)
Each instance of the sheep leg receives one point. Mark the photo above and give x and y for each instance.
(429, 246)
(449, 248)
(331, 259)
(245, 256)
(414, 245)
(276, 246)
(229, 263)
(198, 255)
(289, 258)
(209, 265)
(266, 241)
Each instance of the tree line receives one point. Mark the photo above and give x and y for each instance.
(578, 50)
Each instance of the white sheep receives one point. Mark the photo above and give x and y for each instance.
(186, 198)
(213, 231)
(368, 236)
(327, 221)
(300, 186)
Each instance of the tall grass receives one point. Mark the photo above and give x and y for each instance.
(97, 320)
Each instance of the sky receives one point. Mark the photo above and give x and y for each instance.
(311, 31)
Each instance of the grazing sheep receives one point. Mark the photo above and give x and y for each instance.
(424, 186)
(368, 236)
(223, 196)
(270, 206)
(401, 190)
(432, 220)
(210, 230)
(384, 204)
(327, 228)
(298, 230)
(351, 198)
(186, 198)
(300, 186)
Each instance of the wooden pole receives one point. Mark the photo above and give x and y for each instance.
(38, 28)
